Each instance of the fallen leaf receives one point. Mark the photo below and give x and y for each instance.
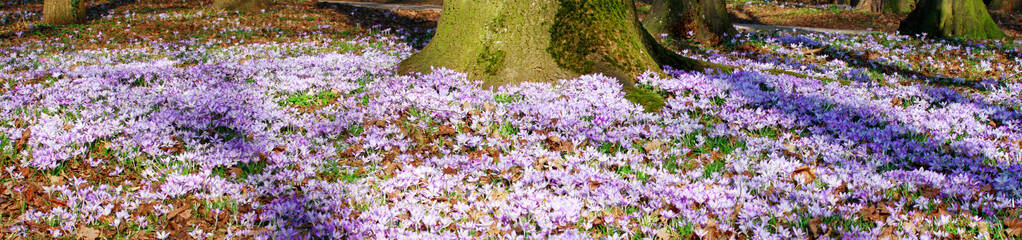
(816, 226)
(803, 175)
(929, 191)
(790, 151)
(450, 171)
(875, 213)
(1013, 227)
(653, 145)
(446, 131)
(665, 234)
(279, 148)
(87, 233)
(25, 135)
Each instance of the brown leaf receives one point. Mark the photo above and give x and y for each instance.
(875, 213)
(791, 151)
(666, 234)
(20, 123)
(816, 226)
(445, 131)
(450, 171)
(25, 135)
(279, 149)
(929, 191)
(653, 145)
(803, 174)
(180, 213)
(896, 101)
(1013, 227)
(87, 233)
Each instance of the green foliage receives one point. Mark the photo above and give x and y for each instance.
(716, 166)
(247, 169)
(649, 100)
(310, 100)
(506, 98)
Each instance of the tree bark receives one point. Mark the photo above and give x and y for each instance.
(508, 41)
(886, 6)
(241, 5)
(705, 21)
(60, 12)
(967, 19)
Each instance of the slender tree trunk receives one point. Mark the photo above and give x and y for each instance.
(241, 5)
(705, 21)
(507, 41)
(952, 18)
(61, 12)
(886, 6)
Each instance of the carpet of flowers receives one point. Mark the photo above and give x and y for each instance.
(318, 138)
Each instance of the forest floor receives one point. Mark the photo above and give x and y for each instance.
(171, 120)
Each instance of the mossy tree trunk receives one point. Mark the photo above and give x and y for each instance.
(506, 41)
(61, 12)
(241, 5)
(1004, 5)
(967, 19)
(886, 6)
(705, 21)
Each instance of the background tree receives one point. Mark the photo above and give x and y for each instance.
(705, 21)
(507, 41)
(886, 6)
(63, 11)
(241, 5)
(952, 18)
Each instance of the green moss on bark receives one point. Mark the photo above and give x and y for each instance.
(491, 60)
(966, 19)
(506, 42)
(600, 36)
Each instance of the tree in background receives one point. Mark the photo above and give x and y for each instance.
(886, 6)
(952, 18)
(61, 12)
(241, 5)
(507, 41)
(705, 21)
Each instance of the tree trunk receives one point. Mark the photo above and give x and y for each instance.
(1004, 5)
(952, 18)
(886, 6)
(241, 5)
(505, 41)
(705, 21)
(62, 12)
